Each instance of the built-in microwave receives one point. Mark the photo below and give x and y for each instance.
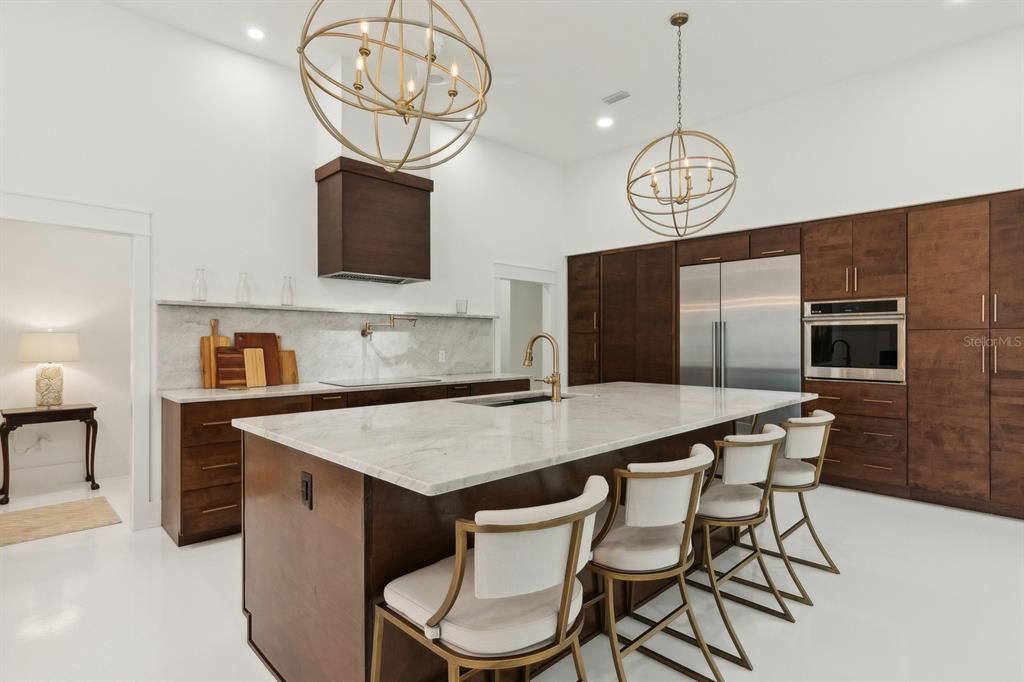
(857, 340)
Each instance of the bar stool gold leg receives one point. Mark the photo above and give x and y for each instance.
(577, 659)
(832, 568)
(613, 635)
(697, 635)
(742, 658)
(803, 597)
(768, 578)
(453, 672)
(378, 638)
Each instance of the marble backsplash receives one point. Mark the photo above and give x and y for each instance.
(327, 345)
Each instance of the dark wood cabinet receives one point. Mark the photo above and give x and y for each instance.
(372, 224)
(584, 283)
(1007, 444)
(948, 267)
(880, 255)
(1007, 260)
(638, 313)
(775, 241)
(826, 253)
(948, 427)
(584, 361)
(719, 249)
(332, 401)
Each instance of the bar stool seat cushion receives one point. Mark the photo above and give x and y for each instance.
(482, 627)
(631, 548)
(721, 501)
(793, 473)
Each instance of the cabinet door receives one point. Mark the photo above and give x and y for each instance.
(1008, 417)
(584, 275)
(948, 250)
(1007, 242)
(584, 365)
(618, 307)
(720, 249)
(827, 252)
(948, 428)
(880, 256)
(655, 311)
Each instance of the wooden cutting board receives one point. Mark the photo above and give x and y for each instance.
(208, 346)
(289, 367)
(268, 342)
(230, 368)
(255, 369)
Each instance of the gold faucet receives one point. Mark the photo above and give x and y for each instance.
(554, 379)
(369, 328)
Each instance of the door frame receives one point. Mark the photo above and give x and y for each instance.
(503, 273)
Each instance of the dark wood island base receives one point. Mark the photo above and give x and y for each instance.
(317, 557)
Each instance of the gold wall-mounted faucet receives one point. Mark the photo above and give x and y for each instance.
(555, 378)
(369, 328)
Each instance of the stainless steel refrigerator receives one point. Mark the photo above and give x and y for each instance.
(739, 326)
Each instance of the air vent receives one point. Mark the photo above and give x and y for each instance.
(615, 97)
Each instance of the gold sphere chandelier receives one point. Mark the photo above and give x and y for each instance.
(423, 60)
(681, 182)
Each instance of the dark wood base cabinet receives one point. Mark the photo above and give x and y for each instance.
(202, 456)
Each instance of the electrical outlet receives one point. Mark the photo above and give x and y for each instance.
(442, 355)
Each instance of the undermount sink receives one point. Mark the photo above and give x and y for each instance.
(509, 401)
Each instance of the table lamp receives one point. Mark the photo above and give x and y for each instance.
(49, 349)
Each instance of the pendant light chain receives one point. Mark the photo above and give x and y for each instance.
(679, 78)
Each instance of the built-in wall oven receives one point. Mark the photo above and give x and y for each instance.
(857, 340)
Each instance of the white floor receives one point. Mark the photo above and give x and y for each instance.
(926, 593)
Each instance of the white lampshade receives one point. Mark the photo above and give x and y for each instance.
(48, 347)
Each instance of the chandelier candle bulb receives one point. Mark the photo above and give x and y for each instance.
(364, 48)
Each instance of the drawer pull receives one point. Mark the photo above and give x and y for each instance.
(834, 461)
(710, 258)
(829, 397)
(223, 423)
(773, 252)
(225, 465)
(880, 468)
(835, 430)
(460, 388)
(595, 319)
(331, 397)
(879, 402)
(225, 508)
(881, 435)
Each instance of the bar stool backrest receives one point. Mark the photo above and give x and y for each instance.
(806, 437)
(749, 459)
(519, 551)
(659, 493)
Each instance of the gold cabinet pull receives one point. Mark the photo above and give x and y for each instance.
(829, 397)
(225, 465)
(834, 461)
(855, 278)
(995, 359)
(847, 285)
(773, 252)
(595, 319)
(217, 509)
(331, 397)
(880, 468)
(835, 430)
(464, 387)
(983, 307)
(879, 402)
(710, 258)
(983, 359)
(995, 307)
(595, 352)
(880, 435)
(222, 423)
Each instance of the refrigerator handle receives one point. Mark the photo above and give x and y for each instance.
(714, 354)
(725, 376)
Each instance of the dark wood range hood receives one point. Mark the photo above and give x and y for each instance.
(372, 225)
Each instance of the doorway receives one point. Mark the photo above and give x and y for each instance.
(524, 301)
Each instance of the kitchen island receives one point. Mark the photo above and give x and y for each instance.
(338, 503)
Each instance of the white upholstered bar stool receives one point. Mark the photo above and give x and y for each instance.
(510, 602)
(799, 471)
(740, 500)
(649, 538)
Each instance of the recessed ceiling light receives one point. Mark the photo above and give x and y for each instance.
(604, 122)
(255, 33)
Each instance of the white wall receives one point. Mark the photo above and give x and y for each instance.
(104, 106)
(944, 125)
(68, 280)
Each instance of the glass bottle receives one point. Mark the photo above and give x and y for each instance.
(242, 290)
(287, 292)
(199, 285)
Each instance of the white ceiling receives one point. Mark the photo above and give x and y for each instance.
(554, 60)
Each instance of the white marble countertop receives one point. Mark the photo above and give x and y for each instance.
(438, 446)
(201, 395)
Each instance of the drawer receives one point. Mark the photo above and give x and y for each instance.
(861, 465)
(205, 466)
(713, 249)
(203, 423)
(490, 387)
(329, 401)
(396, 395)
(211, 510)
(871, 434)
(776, 241)
(851, 397)
(459, 391)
